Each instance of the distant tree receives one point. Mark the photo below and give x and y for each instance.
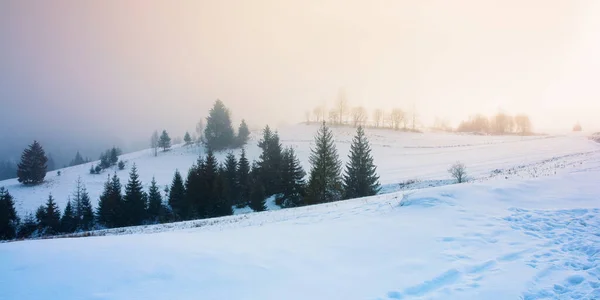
(257, 190)
(218, 134)
(114, 155)
(458, 172)
(110, 206)
(292, 181)
(27, 227)
(243, 134)
(177, 197)
(154, 142)
(341, 106)
(164, 141)
(501, 123)
(577, 127)
(359, 116)
(397, 117)
(9, 221)
(324, 184)
(93, 170)
(134, 201)
(8, 169)
(50, 165)
(334, 116)
(49, 217)
(476, 123)
(243, 179)
(68, 222)
(121, 165)
(32, 168)
(230, 180)
(104, 160)
(360, 178)
(523, 124)
(199, 130)
(187, 138)
(78, 160)
(307, 116)
(156, 210)
(98, 169)
(319, 114)
(378, 117)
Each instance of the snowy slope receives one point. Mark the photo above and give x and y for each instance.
(399, 156)
(499, 239)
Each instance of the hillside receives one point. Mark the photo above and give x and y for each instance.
(399, 156)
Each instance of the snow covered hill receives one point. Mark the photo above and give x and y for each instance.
(400, 157)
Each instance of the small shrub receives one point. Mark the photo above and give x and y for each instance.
(58, 173)
(458, 172)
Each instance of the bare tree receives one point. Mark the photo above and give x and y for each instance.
(523, 124)
(458, 172)
(359, 116)
(199, 130)
(341, 106)
(397, 117)
(154, 142)
(333, 116)
(501, 123)
(414, 118)
(307, 116)
(319, 113)
(378, 117)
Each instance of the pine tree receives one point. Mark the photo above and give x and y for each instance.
(134, 201)
(78, 160)
(85, 212)
(164, 141)
(222, 205)
(110, 206)
(33, 165)
(360, 178)
(121, 165)
(257, 190)
(243, 180)
(270, 161)
(187, 138)
(243, 134)
(68, 222)
(155, 211)
(324, 184)
(28, 226)
(292, 181)
(194, 192)
(210, 174)
(50, 165)
(9, 221)
(230, 180)
(218, 134)
(177, 197)
(49, 217)
(114, 155)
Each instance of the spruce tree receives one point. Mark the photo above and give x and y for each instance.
(85, 212)
(155, 211)
(187, 138)
(292, 180)
(78, 160)
(33, 165)
(110, 206)
(49, 217)
(218, 134)
(222, 204)
(194, 192)
(68, 222)
(324, 183)
(243, 134)
(243, 180)
(257, 190)
(9, 221)
(134, 201)
(28, 226)
(270, 161)
(230, 180)
(360, 178)
(177, 197)
(164, 141)
(210, 174)
(114, 155)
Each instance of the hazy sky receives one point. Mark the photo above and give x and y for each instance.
(101, 67)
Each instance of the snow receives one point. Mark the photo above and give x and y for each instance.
(526, 227)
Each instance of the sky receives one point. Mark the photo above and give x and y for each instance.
(125, 68)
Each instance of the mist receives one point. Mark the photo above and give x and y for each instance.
(90, 74)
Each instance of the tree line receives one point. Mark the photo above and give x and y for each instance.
(500, 123)
(210, 189)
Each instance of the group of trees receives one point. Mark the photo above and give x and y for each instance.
(109, 158)
(78, 160)
(501, 123)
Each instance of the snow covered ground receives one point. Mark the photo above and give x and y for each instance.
(528, 227)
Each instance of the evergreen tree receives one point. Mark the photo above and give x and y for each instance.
(78, 160)
(177, 197)
(194, 192)
(292, 181)
(9, 220)
(230, 180)
(164, 141)
(50, 165)
(156, 211)
(243, 180)
(33, 165)
(28, 226)
(218, 134)
(270, 161)
(105, 160)
(68, 222)
(187, 138)
(324, 183)
(360, 178)
(243, 134)
(49, 217)
(210, 173)
(85, 212)
(222, 206)
(134, 201)
(114, 155)
(110, 206)
(257, 190)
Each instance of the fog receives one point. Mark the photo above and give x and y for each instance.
(105, 72)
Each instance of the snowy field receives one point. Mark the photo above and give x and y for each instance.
(528, 227)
